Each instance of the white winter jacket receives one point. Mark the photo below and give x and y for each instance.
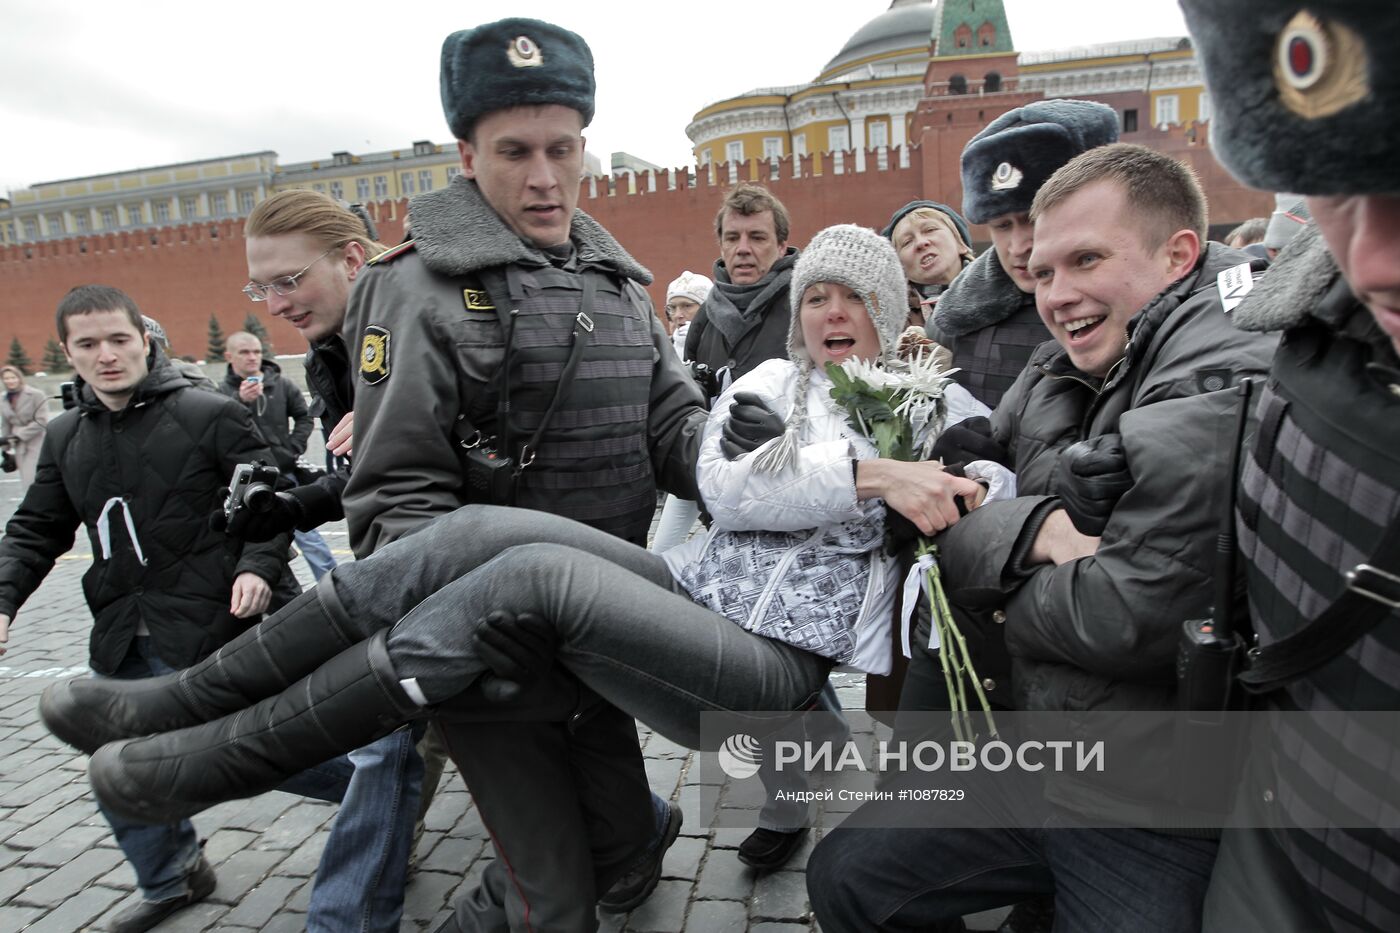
(794, 555)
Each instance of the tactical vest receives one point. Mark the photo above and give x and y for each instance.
(1317, 491)
(594, 463)
(990, 359)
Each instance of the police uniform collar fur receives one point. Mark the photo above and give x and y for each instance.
(457, 233)
(982, 295)
(1292, 288)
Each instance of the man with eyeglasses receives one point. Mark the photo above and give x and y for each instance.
(515, 325)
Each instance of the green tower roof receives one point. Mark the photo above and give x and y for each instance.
(954, 14)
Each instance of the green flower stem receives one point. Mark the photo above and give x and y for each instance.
(937, 620)
(951, 640)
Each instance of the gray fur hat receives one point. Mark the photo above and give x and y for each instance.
(512, 63)
(864, 262)
(1306, 95)
(1004, 165)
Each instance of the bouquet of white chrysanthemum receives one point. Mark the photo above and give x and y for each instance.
(900, 407)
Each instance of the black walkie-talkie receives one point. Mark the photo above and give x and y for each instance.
(1210, 650)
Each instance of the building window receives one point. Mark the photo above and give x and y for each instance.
(362, 189)
(245, 202)
(986, 35)
(706, 156)
(772, 147)
(337, 191)
(879, 135)
(381, 186)
(189, 207)
(799, 144)
(56, 225)
(81, 222)
(160, 211)
(423, 147)
(340, 158)
(962, 36)
(31, 230)
(133, 215)
(838, 139)
(1204, 107)
(734, 152)
(108, 218)
(1168, 109)
(991, 83)
(957, 84)
(218, 205)
(10, 232)
(452, 172)
(1130, 120)
(406, 183)
(425, 179)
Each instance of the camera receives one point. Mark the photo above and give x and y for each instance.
(706, 378)
(253, 487)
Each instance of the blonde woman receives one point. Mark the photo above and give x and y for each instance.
(24, 418)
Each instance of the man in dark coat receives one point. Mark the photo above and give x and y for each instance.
(138, 463)
(1091, 601)
(1306, 101)
(273, 402)
(744, 321)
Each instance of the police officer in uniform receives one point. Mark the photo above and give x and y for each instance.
(1306, 100)
(509, 354)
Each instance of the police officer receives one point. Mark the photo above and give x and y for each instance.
(1306, 100)
(509, 354)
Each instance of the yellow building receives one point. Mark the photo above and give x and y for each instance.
(862, 99)
(160, 196)
(374, 176)
(865, 96)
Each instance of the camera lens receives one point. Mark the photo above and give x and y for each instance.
(258, 497)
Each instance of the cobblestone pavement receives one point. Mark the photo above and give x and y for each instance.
(60, 870)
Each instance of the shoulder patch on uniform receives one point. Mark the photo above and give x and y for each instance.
(476, 299)
(1233, 284)
(374, 355)
(394, 252)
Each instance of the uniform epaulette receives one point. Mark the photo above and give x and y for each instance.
(392, 253)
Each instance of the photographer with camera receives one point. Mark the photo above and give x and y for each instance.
(136, 463)
(273, 402)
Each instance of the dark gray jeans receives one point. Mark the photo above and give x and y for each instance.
(624, 629)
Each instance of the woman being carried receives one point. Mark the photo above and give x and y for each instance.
(789, 582)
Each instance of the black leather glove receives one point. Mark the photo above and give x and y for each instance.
(750, 425)
(1090, 477)
(969, 440)
(281, 516)
(518, 649)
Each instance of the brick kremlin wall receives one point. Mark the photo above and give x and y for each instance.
(182, 275)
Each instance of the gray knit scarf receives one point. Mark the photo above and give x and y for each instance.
(737, 309)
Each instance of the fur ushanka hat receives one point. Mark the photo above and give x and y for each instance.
(513, 63)
(865, 262)
(1004, 165)
(1306, 95)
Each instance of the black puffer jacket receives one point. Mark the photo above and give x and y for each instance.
(1100, 633)
(743, 341)
(280, 402)
(155, 466)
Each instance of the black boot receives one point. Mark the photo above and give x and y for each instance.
(87, 713)
(344, 704)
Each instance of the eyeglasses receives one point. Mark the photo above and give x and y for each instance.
(283, 285)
